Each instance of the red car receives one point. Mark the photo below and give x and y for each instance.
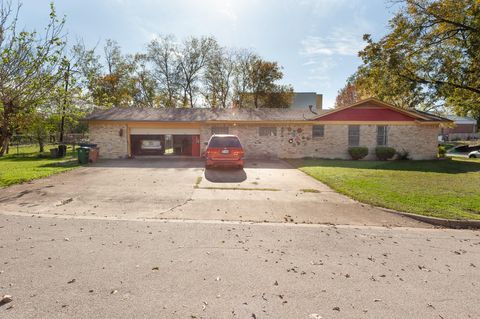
(224, 150)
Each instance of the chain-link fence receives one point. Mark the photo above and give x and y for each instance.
(22, 144)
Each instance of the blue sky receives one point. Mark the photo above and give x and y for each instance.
(316, 41)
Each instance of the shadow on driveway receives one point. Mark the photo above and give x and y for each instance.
(218, 175)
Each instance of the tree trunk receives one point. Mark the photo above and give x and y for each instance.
(64, 107)
(41, 145)
(5, 131)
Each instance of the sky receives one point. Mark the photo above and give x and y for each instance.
(315, 41)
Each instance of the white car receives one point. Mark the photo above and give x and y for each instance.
(474, 154)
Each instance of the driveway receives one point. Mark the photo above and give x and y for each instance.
(270, 191)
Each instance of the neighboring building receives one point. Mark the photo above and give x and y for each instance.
(465, 128)
(299, 100)
(266, 133)
(302, 100)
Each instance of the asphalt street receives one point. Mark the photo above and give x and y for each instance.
(79, 268)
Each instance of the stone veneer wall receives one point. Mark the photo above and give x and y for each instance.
(292, 141)
(108, 139)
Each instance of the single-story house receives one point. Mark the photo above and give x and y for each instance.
(465, 128)
(266, 133)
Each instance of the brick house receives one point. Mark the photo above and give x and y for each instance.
(266, 133)
(465, 128)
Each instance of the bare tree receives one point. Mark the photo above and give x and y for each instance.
(145, 85)
(193, 58)
(163, 53)
(218, 77)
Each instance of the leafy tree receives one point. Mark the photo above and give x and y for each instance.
(347, 95)
(262, 76)
(28, 68)
(430, 56)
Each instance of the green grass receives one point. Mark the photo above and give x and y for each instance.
(30, 164)
(446, 189)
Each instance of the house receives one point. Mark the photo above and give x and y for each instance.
(465, 128)
(266, 133)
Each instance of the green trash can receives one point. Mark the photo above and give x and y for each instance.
(83, 153)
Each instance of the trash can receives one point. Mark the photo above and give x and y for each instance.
(62, 150)
(93, 154)
(54, 152)
(83, 153)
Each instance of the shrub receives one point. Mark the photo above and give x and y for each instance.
(403, 155)
(384, 153)
(358, 152)
(442, 151)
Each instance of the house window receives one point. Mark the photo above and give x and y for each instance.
(353, 135)
(382, 135)
(267, 131)
(219, 130)
(318, 130)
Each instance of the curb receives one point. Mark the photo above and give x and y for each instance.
(448, 223)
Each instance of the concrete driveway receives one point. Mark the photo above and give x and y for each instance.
(269, 191)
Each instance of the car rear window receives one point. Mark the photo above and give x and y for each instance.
(224, 141)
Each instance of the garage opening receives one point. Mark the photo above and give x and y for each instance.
(165, 145)
(165, 141)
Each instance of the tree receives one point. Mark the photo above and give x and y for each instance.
(115, 87)
(431, 51)
(28, 68)
(347, 95)
(218, 77)
(145, 86)
(262, 76)
(193, 58)
(163, 54)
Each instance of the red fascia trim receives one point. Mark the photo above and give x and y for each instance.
(365, 114)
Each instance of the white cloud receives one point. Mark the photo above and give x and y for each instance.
(337, 43)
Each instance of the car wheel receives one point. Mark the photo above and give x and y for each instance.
(472, 156)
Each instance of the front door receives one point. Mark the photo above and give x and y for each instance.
(195, 145)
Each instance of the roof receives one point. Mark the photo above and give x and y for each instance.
(461, 119)
(136, 114)
(199, 114)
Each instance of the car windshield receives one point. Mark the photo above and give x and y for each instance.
(224, 141)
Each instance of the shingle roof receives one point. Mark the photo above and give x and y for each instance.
(430, 116)
(199, 114)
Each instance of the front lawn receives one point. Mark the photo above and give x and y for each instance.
(446, 189)
(30, 164)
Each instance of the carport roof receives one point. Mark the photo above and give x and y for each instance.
(200, 114)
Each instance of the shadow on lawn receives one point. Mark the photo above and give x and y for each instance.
(447, 166)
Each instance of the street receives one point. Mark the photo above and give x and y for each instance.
(97, 268)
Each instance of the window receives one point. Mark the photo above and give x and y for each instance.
(382, 135)
(353, 135)
(219, 130)
(318, 130)
(267, 131)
